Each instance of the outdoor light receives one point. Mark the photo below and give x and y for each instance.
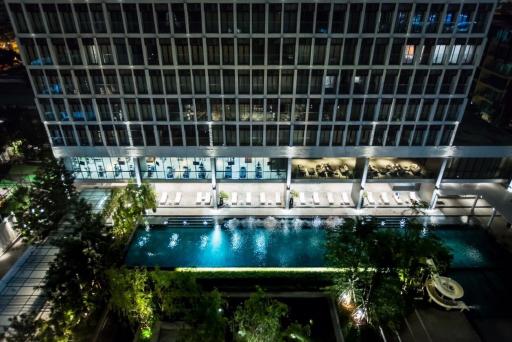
(345, 299)
(360, 316)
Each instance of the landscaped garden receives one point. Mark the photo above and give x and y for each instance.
(375, 276)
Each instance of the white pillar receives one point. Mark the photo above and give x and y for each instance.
(437, 186)
(509, 188)
(288, 183)
(489, 223)
(472, 212)
(363, 183)
(138, 178)
(214, 182)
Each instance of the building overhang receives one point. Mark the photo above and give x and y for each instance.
(289, 152)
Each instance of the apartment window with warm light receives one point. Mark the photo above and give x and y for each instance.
(409, 54)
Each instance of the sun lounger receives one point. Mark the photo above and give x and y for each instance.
(163, 198)
(344, 198)
(234, 198)
(412, 196)
(199, 197)
(384, 197)
(302, 198)
(397, 198)
(330, 198)
(263, 200)
(278, 198)
(369, 197)
(248, 198)
(207, 197)
(177, 198)
(446, 303)
(316, 198)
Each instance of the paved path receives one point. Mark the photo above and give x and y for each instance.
(17, 287)
(17, 292)
(495, 194)
(434, 325)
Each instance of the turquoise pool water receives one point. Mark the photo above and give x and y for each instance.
(247, 243)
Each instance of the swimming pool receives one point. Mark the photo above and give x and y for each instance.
(189, 242)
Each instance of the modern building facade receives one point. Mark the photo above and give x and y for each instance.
(347, 92)
(492, 96)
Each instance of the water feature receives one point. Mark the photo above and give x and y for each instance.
(270, 222)
(297, 223)
(275, 242)
(334, 221)
(317, 222)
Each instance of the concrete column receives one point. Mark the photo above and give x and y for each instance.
(363, 184)
(288, 183)
(214, 183)
(472, 212)
(138, 177)
(509, 188)
(435, 193)
(493, 215)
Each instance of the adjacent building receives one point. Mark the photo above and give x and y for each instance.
(493, 90)
(359, 93)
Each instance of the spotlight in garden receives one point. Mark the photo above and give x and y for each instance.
(346, 300)
(360, 316)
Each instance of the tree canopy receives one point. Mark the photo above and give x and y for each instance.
(127, 205)
(384, 268)
(47, 200)
(261, 319)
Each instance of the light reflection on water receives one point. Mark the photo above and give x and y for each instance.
(292, 244)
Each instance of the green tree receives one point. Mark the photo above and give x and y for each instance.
(127, 206)
(261, 319)
(177, 296)
(30, 328)
(49, 199)
(76, 282)
(131, 297)
(384, 269)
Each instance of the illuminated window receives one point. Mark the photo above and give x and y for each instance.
(467, 56)
(409, 54)
(454, 56)
(438, 54)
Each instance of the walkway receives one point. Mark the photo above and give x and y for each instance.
(17, 287)
(497, 196)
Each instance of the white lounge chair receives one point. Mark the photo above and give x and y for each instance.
(413, 197)
(446, 303)
(369, 197)
(302, 198)
(278, 198)
(330, 198)
(199, 197)
(207, 197)
(177, 198)
(163, 198)
(248, 198)
(316, 198)
(234, 198)
(344, 198)
(263, 200)
(397, 198)
(384, 197)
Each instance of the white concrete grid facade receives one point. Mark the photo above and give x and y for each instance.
(258, 74)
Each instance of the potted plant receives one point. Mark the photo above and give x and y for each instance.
(222, 195)
(293, 194)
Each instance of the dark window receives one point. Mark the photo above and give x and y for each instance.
(306, 18)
